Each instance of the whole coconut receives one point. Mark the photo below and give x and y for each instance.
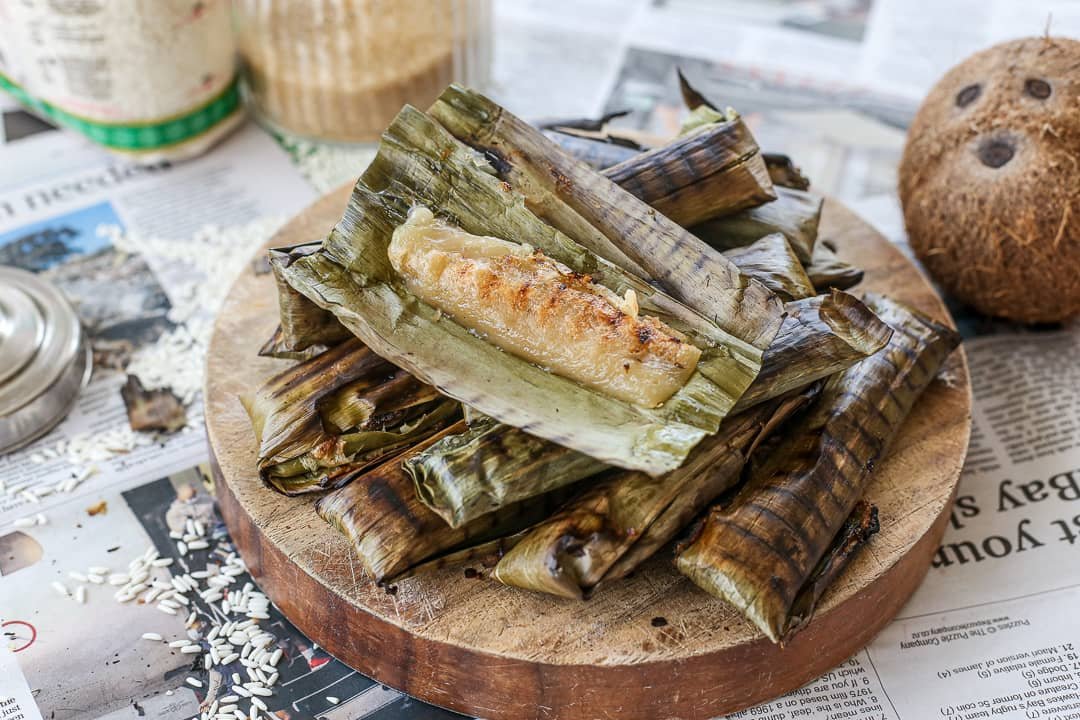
(990, 180)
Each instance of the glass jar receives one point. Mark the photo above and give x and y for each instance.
(341, 69)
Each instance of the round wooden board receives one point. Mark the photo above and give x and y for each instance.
(496, 652)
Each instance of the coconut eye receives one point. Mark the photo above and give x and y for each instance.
(1038, 89)
(968, 95)
(995, 152)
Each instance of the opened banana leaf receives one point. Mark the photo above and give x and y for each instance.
(570, 552)
(353, 276)
(794, 214)
(321, 422)
(608, 220)
(828, 271)
(464, 476)
(306, 329)
(772, 261)
(392, 531)
(760, 552)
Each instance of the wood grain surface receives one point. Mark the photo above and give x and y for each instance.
(496, 652)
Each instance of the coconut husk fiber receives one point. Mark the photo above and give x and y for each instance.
(990, 180)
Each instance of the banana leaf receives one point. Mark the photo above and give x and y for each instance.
(687, 505)
(306, 329)
(598, 154)
(760, 552)
(784, 172)
(608, 220)
(489, 465)
(821, 335)
(392, 531)
(691, 97)
(462, 477)
(795, 214)
(581, 124)
(486, 554)
(700, 117)
(827, 271)
(418, 162)
(771, 261)
(854, 534)
(570, 552)
(715, 169)
(280, 347)
(321, 422)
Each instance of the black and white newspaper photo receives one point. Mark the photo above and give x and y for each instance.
(123, 594)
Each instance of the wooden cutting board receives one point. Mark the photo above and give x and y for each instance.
(652, 646)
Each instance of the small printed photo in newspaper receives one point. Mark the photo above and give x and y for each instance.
(119, 300)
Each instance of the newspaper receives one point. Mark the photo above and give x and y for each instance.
(991, 632)
(833, 83)
(53, 226)
(59, 659)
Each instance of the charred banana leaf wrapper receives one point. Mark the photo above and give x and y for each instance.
(582, 124)
(856, 531)
(772, 261)
(760, 552)
(821, 335)
(420, 163)
(570, 553)
(306, 329)
(392, 531)
(794, 214)
(715, 170)
(766, 419)
(323, 421)
(782, 170)
(464, 476)
(486, 554)
(691, 97)
(827, 271)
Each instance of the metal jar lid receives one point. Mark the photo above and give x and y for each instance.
(44, 357)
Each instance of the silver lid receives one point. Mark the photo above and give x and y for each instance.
(44, 358)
